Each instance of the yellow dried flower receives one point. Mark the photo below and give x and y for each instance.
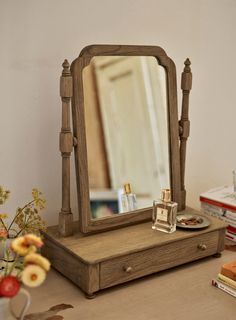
(27, 218)
(3, 216)
(22, 247)
(35, 193)
(4, 195)
(32, 239)
(35, 258)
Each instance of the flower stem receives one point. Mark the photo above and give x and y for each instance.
(4, 226)
(7, 260)
(13, 264)
(21, 210)
(18, 233)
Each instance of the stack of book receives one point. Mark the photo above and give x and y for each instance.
(226, 279)
(221, 203)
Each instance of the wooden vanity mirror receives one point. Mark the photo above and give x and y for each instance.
(126, 130)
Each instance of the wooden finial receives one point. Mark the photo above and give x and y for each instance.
(66, 68)
(187, 65)
(66, 81)
(186, 81)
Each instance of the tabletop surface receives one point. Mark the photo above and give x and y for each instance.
(183, 292)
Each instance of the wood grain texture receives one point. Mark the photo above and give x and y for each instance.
(186, 86)
(66, 147)
(221, 242)
(88, 225)
(83, 275)
(108, 245)
(156, 259)
(102, 260)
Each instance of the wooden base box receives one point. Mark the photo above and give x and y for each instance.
(106, 259)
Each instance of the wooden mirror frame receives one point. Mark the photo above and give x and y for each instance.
(176, 131)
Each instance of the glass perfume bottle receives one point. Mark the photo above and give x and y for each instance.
(164, 213)
(128, 199)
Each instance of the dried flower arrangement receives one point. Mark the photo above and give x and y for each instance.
(27, 218)
(32, 272)
(19, 242)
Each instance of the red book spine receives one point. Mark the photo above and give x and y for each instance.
(231, 229)
(218, 204)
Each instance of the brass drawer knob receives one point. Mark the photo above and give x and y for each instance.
(128, 269)
(202, 246)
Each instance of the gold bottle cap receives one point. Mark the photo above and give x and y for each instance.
(165, 195)
(127, 188)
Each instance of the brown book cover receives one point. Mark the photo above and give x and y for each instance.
(229, 270)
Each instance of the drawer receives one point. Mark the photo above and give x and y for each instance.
(145, 262)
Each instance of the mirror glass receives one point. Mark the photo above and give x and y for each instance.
(126, 120)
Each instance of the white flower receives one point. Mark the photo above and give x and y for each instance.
(33, 276)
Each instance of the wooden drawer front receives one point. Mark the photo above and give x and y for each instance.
(138, 264)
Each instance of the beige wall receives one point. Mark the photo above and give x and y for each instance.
(37, 35)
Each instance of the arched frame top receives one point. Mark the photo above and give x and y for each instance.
(86, 224)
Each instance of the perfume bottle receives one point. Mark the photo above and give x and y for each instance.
(164, 213)
(128, 199)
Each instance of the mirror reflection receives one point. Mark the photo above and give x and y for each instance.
(125, 101)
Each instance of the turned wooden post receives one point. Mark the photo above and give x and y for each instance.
(66, 147)
(184, 124)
